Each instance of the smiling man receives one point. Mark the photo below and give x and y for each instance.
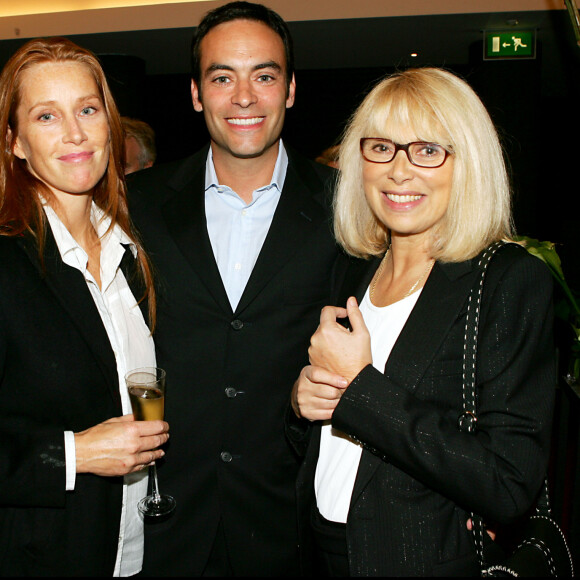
(241, 238)
(243, 87)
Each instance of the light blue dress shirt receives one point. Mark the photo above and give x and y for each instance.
(237, 230)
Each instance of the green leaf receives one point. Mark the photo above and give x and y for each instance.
(567, 309)
(546, 251)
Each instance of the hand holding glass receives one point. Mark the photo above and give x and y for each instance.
(147, 393)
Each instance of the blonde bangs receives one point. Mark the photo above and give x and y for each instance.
(404, 114)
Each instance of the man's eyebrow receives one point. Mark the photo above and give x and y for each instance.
(216, 66)
(272, 64)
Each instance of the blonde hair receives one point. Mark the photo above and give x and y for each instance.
(438, 107)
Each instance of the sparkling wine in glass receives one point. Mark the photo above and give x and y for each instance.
(147, 393)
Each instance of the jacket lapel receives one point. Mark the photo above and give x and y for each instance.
(185, 216)
(356, 279)
(70, 289)
(441, 302)
(299, 213)
(130, 268)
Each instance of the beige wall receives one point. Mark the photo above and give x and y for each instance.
(183, 13)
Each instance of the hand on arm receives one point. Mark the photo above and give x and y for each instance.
(339, 350)
(337, 355)
(316, 393)
(120, 446)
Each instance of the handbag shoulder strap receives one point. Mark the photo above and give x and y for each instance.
(467, 421)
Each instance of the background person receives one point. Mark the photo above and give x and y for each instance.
(67, 253)
(240, 233)
(389, 480)
(329, 156)
(140, 151)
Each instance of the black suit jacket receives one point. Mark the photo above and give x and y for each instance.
(229, 374)
(57, 373)
(419, 476)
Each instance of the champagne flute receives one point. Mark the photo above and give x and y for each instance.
(147, 393)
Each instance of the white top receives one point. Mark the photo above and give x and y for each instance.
(237, 230)
(133, 346)
(339, 455)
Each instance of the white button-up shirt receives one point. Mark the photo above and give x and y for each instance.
(237, 230)
(133, 346)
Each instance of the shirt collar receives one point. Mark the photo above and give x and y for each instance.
(101, 222)
(278, 176)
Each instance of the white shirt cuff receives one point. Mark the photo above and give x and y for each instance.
(70, 460)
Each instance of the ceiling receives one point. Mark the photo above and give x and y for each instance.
(327, 33)
(31, 18)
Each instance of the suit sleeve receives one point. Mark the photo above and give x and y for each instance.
(497, 471)
(32, 458)
(298, 431)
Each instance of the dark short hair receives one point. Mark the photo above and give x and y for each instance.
(241, 11)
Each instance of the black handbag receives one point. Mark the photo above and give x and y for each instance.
(535, 546)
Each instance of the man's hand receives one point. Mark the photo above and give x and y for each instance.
(316, 393)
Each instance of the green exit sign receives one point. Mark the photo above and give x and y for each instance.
(509, 44)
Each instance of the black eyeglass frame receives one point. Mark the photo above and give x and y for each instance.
(405, 148)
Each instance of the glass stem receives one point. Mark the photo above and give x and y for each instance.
(154, 484)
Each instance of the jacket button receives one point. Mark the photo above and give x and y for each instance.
(231, 392)
(237, 324)
(226, 456)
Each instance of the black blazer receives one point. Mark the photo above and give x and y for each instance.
(57, 373)
(419, 476)
(229, 374)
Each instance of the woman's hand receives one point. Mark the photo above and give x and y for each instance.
(120, 446)
(339, 350)
(316, 393)
(491, 533)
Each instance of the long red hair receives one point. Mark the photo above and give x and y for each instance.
(20, 204)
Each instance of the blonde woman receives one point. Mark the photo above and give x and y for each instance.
(388, 479)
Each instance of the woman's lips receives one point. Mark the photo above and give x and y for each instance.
(402, 201)
(76, 157)
(403, 198)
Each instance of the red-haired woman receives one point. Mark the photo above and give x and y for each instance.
(71, 275)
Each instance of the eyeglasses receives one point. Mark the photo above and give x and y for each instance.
(419, 153)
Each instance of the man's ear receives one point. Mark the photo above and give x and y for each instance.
(195, 97)
(291, 92)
